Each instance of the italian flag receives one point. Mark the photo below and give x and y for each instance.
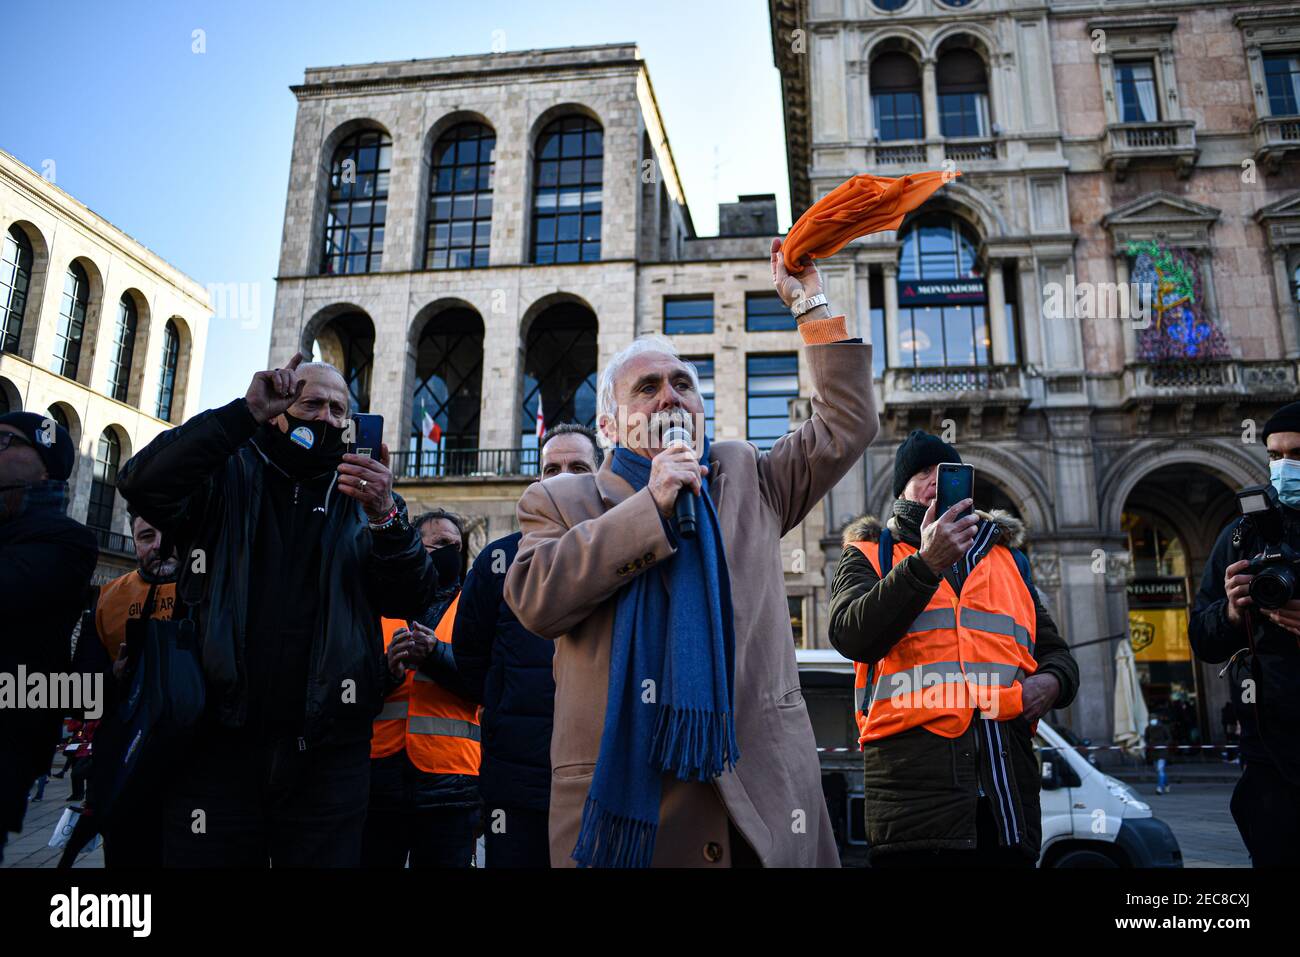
(431, 429)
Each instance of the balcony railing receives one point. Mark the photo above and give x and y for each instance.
(464, 463)
(113, 541)
(1161, 143)
(953, 383)
(900, 154)
(1274, 138)
(970, 150)
(1212, 379)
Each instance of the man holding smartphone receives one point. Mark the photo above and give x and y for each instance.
(291, 551)
(940, 613)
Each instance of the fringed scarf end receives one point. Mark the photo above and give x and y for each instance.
(612, 840)
(693, 744)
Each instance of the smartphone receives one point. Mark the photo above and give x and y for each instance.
(369, 434)
(955, 483)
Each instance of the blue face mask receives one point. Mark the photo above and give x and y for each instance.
(1285, 475)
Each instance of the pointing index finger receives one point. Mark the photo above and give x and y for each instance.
(295, 361)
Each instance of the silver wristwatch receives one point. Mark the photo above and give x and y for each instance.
(812, 302)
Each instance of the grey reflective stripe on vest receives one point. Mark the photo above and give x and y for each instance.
(447, 727)
(393, 711)
(997, 625)
(920, 677)
(932, 619)
(421, 676)
(859, 696)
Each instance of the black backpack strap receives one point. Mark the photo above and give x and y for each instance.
(885, 552)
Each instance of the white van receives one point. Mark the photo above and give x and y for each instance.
(1089, 818)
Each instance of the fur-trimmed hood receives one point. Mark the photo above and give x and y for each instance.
(867, 528)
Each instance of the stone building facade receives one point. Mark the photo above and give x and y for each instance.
(1106, 150)
(98, 332)
(533, 223)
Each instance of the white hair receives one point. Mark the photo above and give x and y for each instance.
(650, 342)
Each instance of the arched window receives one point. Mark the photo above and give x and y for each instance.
(460, 198)
(347, 342)
(448, 394)
(72, 321)
(358, 204)
(963, 90)
(103, 487)
(167, 380)
(559, 370)
(119, 366)
(566, 191)
(15, 278)
(941, 296)
(896, 97)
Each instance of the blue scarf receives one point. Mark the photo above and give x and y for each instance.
(671, 680)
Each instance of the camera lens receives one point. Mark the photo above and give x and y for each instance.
(1273, 587)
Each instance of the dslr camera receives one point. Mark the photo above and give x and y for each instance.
(1277, 567)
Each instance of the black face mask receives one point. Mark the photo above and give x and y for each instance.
(446, 562)
(308, 448)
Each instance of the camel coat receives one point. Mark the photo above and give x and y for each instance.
(586, 536)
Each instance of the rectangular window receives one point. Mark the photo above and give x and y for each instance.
(1282, 76)
(704, 368)
(688, 315)
(796, 605)
(898, 116)
(1135, 85)
(770, 383)
(964, 114)
(765, 312)
(943, 336)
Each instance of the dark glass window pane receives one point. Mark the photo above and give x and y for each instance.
(567, 178)
(72, 321)
(765, 312)
(688, 315)
(461, 195)
(358, 203)
(770, 383)
(1282, 77)
(15, 279)
(119, 367)
(167, 381)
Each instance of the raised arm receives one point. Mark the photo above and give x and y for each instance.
(563, 573)
(805, 464)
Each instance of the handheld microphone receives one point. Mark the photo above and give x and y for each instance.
(684, 508)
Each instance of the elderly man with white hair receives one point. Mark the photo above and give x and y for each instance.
(681, 737)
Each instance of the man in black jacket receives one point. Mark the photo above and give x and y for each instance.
(508, 670)
(932, 800)
(1264, 646)
(290, 552)
(46, 560)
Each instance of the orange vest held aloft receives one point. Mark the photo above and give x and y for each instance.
(962, 652)
(439, 730)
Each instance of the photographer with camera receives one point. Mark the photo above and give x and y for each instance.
(1247, 613)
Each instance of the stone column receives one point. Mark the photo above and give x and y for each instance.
(1127, 332)
(1287, 314)
(502, 374)
(930, 99)
(1030, 311)
(893, 360)
(997, 315)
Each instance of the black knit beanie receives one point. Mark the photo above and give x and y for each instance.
(1285, 419)
(919, 450)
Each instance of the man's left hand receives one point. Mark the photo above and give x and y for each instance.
(1288, 616)
(369, 481)
(1037, 695)
(794, 284)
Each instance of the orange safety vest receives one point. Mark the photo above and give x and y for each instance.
(439, 730)
(961, 653)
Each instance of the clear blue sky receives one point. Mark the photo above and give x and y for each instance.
(189, 154)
